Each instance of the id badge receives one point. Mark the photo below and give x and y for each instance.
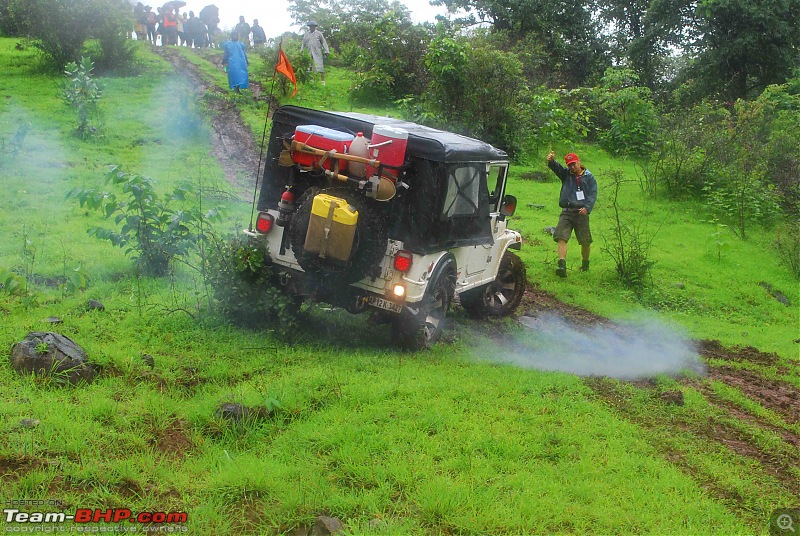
(579, 195)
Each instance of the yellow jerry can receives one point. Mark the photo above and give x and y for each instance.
(331, 228)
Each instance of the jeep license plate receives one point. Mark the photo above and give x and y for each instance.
(386, 305)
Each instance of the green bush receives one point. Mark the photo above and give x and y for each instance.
(61, 29)
(81, 91)
(153, 229)
(246, 287)
(787, 244)
(480, 90)
(628, 242)
(372, 87)
(629, 114)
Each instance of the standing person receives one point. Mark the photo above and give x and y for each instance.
(234, 59)
(259, 37)
(169, 32)
(317, 46)
(150, 19)
(194, 30)
(140, 22)
(180, 19)
(243, 29)
(577, 198)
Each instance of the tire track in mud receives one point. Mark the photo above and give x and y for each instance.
(729, 426)
(233, 146)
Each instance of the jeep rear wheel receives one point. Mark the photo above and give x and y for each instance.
(502, 296)
(424, 329)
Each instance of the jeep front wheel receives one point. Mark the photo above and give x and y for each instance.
(424, 329)
(502, 296)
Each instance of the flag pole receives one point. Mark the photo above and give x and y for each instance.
(264, 136)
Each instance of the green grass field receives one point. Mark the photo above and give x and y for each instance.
(450, 441)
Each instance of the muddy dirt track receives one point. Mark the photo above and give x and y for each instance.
(730, 426)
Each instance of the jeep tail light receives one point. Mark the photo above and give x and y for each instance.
(509, 206)
(402, 260)
(264, 222)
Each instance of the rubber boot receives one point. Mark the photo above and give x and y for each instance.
(561, 271)
(585, 266)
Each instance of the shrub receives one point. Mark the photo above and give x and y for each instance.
(787, 244)
(629, 113)
(481, 91)
(153, 229)
(684, 152)
(81, 91)
(628, 242)
(246, 288)
(60, 29)
(372, 87)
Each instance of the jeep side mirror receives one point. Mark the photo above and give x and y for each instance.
(509, 206)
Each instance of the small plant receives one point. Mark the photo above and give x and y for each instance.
(42, 348)
(628, 244)
(247, 290)
(12, 284)
(788, 247)
(153, 229)
(81, 91)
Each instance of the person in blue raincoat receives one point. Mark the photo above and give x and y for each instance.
(235, 62)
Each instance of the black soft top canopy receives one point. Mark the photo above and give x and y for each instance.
(423, 142)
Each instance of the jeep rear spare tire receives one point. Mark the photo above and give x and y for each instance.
(369, 241)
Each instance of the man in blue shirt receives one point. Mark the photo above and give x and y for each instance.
(577, 198)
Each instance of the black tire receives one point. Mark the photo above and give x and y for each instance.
(502, 296)
(424, 329)
(369, 243)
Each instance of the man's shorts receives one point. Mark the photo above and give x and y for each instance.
(571, 219)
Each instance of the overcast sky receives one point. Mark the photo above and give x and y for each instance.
(273, 15)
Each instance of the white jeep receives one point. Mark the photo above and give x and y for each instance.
(402, 239)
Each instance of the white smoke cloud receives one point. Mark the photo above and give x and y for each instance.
(625, 352)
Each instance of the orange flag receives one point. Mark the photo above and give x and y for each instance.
(285, 68)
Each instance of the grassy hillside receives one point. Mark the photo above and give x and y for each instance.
(455, 440)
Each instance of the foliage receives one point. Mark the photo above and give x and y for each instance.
(787, 244)
(565, 31)
(372, 87)
(388, 60)
(557, 116)
(629, 113)
(12, 284)
(479, 90)
(61, 29)
(246, 288)
(683, 151)
(628, 242)
(347, 21)
(745, 46)
(741, 198)
(81, 91)
(301, 64)
(153, 230)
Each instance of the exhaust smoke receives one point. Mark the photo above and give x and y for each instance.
(625, 352)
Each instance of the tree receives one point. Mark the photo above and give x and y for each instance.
(60, 29)
(644, 32)
(566, 31)
(745, 46)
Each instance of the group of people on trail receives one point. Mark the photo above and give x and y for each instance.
(175, 28)
(188, 30)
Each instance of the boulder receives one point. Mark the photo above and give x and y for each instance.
(48, 353)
